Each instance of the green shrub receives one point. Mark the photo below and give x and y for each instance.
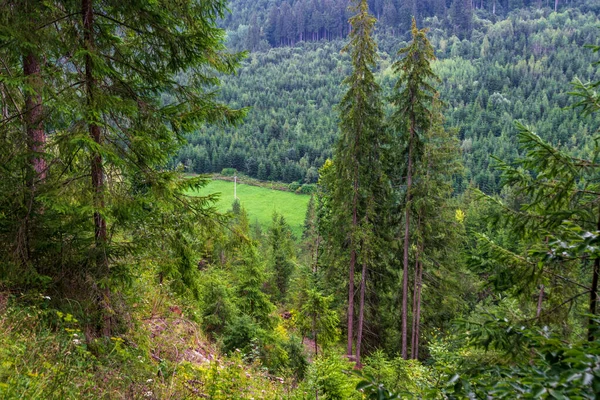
(297, 362)
(229, 172)
(408, 377)
(294, 186)
(216, 302)
(329, 376)
(308, 188)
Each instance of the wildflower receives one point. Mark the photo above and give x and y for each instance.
(149, 380)
(76, 341)
(148, 394)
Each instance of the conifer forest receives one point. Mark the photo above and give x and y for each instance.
(300, 199)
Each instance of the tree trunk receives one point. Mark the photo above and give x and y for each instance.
(36, 137)
(494, 7)
(3, 97)
(361, 312)
(406, 243)
(352, 266)
(97, 171)
(413, 342)
(418, 323)
(555, 5)
(539, 304)
(316, 255)
(314, 323)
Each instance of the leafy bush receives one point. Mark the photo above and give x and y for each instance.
(308, 188)
(329, 376)
(398, 375)
(229, 172)
(294, 186)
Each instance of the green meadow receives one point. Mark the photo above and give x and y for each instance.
(260, 203)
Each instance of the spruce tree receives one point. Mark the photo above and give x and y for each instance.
(130, 78)
(26, 82)
(411, 119)
(357, 157)
(436, 232)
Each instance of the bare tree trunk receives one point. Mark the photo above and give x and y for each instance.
(413, 342)
(361, 312)
(314, 323)
(539, 304)
(316, 255)
(4, 99)
(97, 171)
(406, 243)
(36, 137)
(494, 7)
(352, 266)
(555, 5)
(418, 323)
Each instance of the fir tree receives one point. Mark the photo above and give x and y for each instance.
(411, 119)
(129, 79)
(357, 157)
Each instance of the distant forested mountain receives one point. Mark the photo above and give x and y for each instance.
(516, 67)
(269, 23)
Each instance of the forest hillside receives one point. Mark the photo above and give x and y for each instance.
(515, 66)
(435, 233)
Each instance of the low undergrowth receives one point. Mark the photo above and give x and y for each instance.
(46, 354)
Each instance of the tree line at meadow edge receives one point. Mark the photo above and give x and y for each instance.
(517, 66)
(437, 294)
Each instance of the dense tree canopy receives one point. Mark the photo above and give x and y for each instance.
(518, 67)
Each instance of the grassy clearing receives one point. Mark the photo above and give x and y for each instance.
(260, 203)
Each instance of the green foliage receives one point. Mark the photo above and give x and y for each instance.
(281, 255)
(228, 172)
(45, 355)
(217, 302)
(117, 91)
(250, 296)
(374, 390)
(329, 377)
(510, 68)
(294, 186)
(395, 375)
(317, 317)
(551, 369)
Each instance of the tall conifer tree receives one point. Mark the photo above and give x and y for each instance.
(357, 157)
(130, 79)
(411, 119)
